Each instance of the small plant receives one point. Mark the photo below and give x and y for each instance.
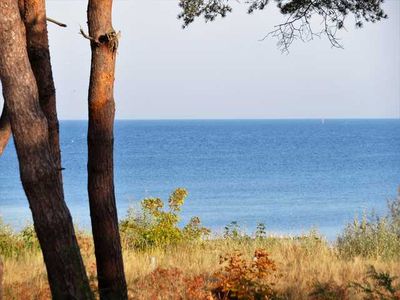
(234, 232)
(242, 279)
(156, 227)
(261, 232)
(378, 285)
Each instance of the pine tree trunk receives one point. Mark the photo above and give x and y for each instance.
(34, 16)
(1, 279)
(103, 211)
(5, 130)
(38, 169)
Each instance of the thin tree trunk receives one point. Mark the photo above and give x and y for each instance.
(5, 129)
(38, 170)
(103, 211)
(1, 279)
(33, 13)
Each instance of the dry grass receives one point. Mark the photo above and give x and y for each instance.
(164, 261)
(301, 263)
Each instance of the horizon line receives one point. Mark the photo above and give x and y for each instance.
(242, 119)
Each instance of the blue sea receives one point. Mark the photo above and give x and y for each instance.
(292, 175)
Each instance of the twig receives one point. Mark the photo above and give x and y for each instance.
(86, 36)
(56, 22)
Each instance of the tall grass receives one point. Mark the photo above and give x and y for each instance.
(173, 271)
(373, 236)
(235, 265)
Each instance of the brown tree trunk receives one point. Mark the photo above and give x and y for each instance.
(33, 13)
(5, 129)
(38, 170)
(103, 211)
(1, 279)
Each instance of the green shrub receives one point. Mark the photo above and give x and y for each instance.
(28, 238)
(155, 227)
(7, 240)
(372, 236)
(15, 244)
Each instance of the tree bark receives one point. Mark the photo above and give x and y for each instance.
(5, 129)
(103, 211)
(34, 17)
(1, 279)
(38, 169)
(33, 13)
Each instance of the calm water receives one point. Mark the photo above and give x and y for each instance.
(292, 175)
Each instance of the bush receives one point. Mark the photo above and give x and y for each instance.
(236, 279)
(29, 239)
(372, 236)
(155, 227)
(7, 241)
(245, 279)
(15, 244)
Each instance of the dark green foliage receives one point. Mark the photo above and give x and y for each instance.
(209, 9)
(299, 12)
(367, 10)
(257, 5)
(155, 227)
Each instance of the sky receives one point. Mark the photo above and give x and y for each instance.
(223, 70)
